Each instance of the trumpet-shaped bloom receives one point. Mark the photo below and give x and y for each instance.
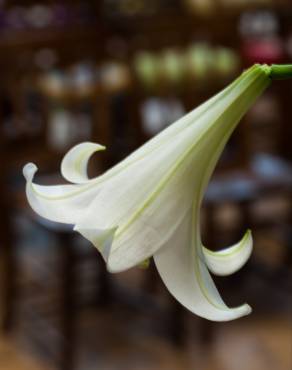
(149, 204)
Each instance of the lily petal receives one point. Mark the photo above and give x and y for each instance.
(74, 163)
(59, 203)
(183, 271)
(231, 259)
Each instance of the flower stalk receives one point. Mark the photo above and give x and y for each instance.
(280, 71)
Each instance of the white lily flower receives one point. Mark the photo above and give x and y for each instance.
(149, 204)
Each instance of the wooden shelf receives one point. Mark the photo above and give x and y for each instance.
(34, 38)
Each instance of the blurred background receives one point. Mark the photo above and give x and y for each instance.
(117, 72)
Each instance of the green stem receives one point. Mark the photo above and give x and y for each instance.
(281, 71)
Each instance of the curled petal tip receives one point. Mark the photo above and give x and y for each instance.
(244, 310)
(230, 314)
(29, 171)
(74, 164)
(249, 309)
(231, 259)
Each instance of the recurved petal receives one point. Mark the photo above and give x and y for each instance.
(60, 203)
(231, 259)
(183, 270)
(74, 163)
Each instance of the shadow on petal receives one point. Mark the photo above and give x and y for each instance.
(102, 239)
